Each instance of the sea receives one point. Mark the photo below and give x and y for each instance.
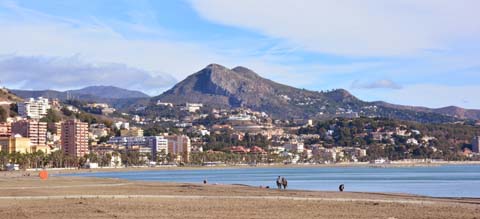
(436, 181)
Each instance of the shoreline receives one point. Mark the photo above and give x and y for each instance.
(246, 166)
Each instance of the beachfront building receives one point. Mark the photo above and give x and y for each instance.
(15, 143)
(35, 130)
(145, 144)
(159, 144)
(180, 145)
(476, 144)
(74, 139)
(33, 108)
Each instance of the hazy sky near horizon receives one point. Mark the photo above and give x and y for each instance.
(410, 52)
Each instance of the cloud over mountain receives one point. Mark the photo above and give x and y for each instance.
(41, 72)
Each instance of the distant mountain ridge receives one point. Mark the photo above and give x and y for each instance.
(107, 92)
(453, 111)
(117, 97)
(219, 86)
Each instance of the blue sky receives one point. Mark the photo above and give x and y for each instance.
(406, 52)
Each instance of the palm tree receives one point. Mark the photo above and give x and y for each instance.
(4, 158)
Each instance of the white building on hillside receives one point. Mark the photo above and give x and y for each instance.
(34, 108)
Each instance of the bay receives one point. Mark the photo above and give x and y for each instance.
(439, 181)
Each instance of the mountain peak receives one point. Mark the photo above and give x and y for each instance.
(215, 66)
(245, 72)
(219, 86)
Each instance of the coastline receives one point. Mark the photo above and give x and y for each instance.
(82, 197)
(276, 165)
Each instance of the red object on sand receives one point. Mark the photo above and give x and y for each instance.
(43, 174)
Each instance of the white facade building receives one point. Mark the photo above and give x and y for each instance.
(158, 144)
(34, 108)
(193, 107)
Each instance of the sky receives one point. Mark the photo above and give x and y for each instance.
(423, 53)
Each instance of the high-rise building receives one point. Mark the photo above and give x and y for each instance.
(5, 129)
(179, 145)
(33, 108)
(35, 130)
(476, 144)
(74, 139)
(158, 144)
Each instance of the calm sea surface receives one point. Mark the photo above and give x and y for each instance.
(442, 181)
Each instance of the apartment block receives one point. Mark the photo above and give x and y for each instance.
(180, 145)
(74, 139)
(35, 130)
(33, 108)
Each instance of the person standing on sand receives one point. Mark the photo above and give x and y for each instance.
(284, 183)
(341, 187)
(279, 182)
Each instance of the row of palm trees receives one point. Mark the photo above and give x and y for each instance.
(56, 159)
(37, 159)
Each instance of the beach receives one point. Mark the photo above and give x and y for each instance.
(23, 196)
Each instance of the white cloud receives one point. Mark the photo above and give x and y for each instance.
(35, 72)
(378, 84)
(350, 27)
(30, 33)
(430, 95)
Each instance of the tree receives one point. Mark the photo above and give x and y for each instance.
(3, 114)
(13, 110)
(4, 158)
(51, 117)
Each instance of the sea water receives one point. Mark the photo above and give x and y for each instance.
(439, 181)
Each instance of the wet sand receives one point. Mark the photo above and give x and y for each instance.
(83, 197)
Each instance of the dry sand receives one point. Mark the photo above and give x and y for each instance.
(82, 197)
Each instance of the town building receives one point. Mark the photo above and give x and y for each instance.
(34, 108)
(476, 144)
(121, 125)
(127, 142)
(132, 132)
(74, 139)
(5, 129)
(35, 130)
(294, 146)
(147, 144)
(193, 107)
(179, 145)
(15, 143)
(158, 144)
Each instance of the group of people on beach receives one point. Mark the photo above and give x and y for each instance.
(282, 181)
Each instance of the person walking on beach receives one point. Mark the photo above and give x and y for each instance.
(341, 187)
(279, 182)
(284, 183)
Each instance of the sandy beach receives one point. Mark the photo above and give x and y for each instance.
(82, 197)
